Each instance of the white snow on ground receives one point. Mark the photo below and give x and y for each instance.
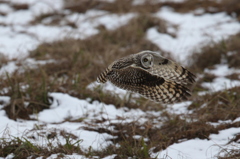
(179, 108)
(222, 70)
(61, 109)
(21, 128)
(11, 66)
(139, 2)
(19, 36)
(223, 122)
(221, 82)
(73, 156)
(192, 32)
(67, 107)
(200, 149)
(107, 1)
(8, 69)
(88, 22)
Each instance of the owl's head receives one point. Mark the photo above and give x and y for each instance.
(147, 60)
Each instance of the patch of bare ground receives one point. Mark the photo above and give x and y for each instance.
(19, 6)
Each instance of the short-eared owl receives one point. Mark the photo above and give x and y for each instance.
(150, 75)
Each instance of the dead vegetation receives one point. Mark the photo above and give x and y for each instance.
(224, 105)
(151, 6)
(227, 51)
(78, 62)
(23, 147)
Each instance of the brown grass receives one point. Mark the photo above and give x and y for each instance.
(228, 50)
(19, 6)
(30, 87)
(223, 105)
(3, 60)
(151, 6)
(23, 148)
(172, 130)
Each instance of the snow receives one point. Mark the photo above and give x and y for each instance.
(8, 69)
(221, 82)
(222, 70)
(140, 2)
(111, 1)
(192, 32)
(200, 149)
(5, 8)
(74, 156)
(67, 107)
(62, 109)
(179, 108)
(16, 41)
(14, 44)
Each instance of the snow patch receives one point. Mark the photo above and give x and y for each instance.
(199, 149)
(193, 32)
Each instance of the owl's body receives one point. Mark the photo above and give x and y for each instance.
(150, 75)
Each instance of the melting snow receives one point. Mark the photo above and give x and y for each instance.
(200, 149)
(192, 31)
(16, 41)
(221, 82)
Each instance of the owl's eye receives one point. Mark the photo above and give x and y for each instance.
(145, 60)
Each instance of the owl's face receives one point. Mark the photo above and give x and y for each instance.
(147, 60)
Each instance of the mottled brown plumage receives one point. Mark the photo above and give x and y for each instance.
(150, 75)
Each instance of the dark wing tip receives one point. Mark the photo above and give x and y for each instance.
(191, 77)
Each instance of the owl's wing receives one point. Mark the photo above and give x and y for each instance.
(119, 64)
(150, 86)
(102, 78)
(172, 71)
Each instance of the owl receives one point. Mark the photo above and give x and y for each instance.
(150, 75)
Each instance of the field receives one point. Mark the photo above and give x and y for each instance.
(51, 53)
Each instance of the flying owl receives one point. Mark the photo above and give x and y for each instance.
(151, 75)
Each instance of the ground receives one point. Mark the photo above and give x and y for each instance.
(51, 53)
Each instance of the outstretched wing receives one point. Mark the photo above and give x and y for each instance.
(102, 78)
(150, 86)
(119, 64)
(172, 71)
